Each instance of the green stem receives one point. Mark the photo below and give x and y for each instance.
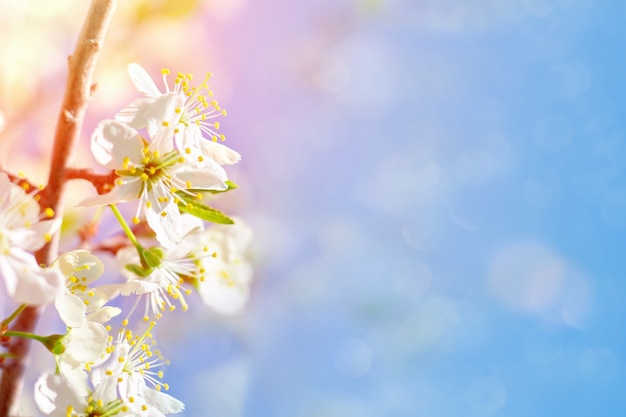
(129, 233)
(5, 323)
(25, 335)
(54, 342)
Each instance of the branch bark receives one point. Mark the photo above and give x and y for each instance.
(69, 125)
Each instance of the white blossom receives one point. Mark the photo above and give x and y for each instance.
(21, 232)
(82, 309)
(132, 374)
(189, 110)
(224, 284)
(160, 284)
(58, 396)
(153, 173)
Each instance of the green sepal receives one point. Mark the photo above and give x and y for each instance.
(199, 210)
(153, 257)
(54, 343)
(139, 270)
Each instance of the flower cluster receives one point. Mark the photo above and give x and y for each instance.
(164, 154)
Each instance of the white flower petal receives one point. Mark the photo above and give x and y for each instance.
(71, 309)
(85, 344)
(221, 154)
(163, 402)
(113, 142)
(128, 191)
(168, 228)
(137, 287)
(134, 114)
(104, 314)
(163, 112)
(142, 80)
(226, 288)
(27, 282)
(53, 395)
(210, 176)
(81, 264)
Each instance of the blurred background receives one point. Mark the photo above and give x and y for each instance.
(437, 190)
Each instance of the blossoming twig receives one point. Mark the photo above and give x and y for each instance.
(77, 94)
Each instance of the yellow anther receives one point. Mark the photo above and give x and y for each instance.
(135, 220)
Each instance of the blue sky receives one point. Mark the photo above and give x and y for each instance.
(440, 210)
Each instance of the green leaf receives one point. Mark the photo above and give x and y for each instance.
(231, 186)
(195, 208)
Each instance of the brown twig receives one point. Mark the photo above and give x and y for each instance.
(77, 94)
(102, 182)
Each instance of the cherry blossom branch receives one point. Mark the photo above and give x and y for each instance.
(77, 94)
(102, 182)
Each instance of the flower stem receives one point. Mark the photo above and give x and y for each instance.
(5, 323)
(69, 124)
(127, 230)
(25, 335)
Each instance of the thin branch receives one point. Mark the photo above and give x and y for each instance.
(69, 124)
(102, 182)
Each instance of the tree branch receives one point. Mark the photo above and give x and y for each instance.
(69, 124)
